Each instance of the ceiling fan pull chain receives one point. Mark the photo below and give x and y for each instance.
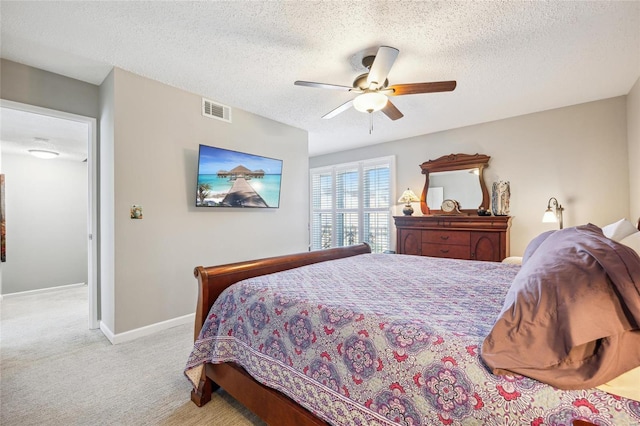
(370, 123)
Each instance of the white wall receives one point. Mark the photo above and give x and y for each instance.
(46, 207)
(577, 154)
(154, 144)
(633, 135)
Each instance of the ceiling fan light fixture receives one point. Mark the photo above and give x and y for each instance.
(43, 153)
(370, 102)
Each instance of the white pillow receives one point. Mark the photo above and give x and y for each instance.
(619, 230)
(632, 241)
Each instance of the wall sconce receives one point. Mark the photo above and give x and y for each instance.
(550, 216)
(408, 197)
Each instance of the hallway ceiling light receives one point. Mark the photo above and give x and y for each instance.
(42, 148)
(43, 153)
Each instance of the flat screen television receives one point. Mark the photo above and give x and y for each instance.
(229, 178)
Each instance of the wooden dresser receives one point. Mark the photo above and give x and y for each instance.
(454, 236)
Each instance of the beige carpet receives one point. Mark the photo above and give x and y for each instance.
(54, 371)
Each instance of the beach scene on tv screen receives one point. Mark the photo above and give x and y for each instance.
(235, 179)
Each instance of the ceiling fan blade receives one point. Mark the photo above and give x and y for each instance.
(322, 85)
(415, 88)
(391, 111)
(381, 66)
(342, 108)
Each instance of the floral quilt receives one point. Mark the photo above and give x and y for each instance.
(382, 339)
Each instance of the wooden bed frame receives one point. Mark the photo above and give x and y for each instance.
(270, 405)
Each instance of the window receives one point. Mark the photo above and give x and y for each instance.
(351, 203)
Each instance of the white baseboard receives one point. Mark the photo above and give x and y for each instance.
(146, 330)
(42, 290)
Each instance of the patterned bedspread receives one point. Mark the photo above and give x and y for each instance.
(386, 339)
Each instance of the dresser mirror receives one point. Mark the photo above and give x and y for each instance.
(458, 177)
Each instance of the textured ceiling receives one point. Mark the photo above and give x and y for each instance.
(509, 58)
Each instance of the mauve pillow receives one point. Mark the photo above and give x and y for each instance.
(534, 244)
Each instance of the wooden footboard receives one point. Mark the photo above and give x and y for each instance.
(272, 406)
(212, 280)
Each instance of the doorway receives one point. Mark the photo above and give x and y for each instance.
(69, 131)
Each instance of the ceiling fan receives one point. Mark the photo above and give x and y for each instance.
(373, 87)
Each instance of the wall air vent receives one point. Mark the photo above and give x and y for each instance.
(215, 110)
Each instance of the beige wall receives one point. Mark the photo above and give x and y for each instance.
(149, 136)
(633, 135)
(156, 133)
(33, 86)
(577, 154)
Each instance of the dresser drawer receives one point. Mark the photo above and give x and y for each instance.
(446, 237)
(446, 250)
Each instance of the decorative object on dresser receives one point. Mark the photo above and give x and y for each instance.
(455, 236)
(450, 207)
(551, 216)
(461, 176)
(408, 197)
(483, 212)
(501, 191)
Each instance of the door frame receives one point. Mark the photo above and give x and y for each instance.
(92, 208)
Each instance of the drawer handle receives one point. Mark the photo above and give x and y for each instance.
(444, 237)
(444, 251)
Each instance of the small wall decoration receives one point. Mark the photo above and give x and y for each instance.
(500, 194)
(136, 212)
(3, 235)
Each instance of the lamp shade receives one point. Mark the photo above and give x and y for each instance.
(370, 102)
(408, 197)
(549, 217)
